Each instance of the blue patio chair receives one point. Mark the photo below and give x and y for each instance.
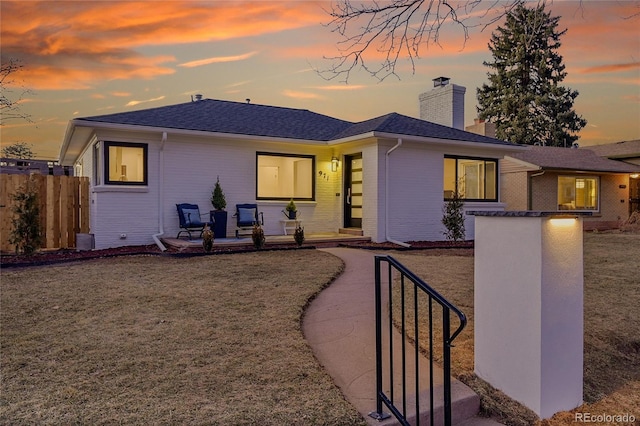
(247, 215)
(189, 215)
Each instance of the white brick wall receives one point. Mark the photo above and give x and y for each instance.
(192, 164)
(444, 105)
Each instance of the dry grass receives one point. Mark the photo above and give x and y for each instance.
(151, 340)
(612, 326)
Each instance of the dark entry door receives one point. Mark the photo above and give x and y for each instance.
(353, 191)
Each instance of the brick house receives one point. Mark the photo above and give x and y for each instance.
(628, 152)
(568, 179)
(387, 177)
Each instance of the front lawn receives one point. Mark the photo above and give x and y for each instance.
(157, 340)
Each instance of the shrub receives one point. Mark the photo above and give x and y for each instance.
(207, 239)
(257, 235)
(26, 234)
(218, 199)
(298, 235)
(453, 218)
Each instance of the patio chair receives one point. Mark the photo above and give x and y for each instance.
(189, 215)
(247, 215)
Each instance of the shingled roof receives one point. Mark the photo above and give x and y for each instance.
(555, 158)
(217, 116)
(399, 124)
(624, 149)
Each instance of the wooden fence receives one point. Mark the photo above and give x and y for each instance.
(64, 208)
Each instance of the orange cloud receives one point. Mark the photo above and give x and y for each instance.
(301, 95)
(217, 59)
(73, 45)
(611, 68)
(134, 103)
(342, 88)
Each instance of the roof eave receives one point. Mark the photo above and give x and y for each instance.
(588, 171)
(438, 141)
(527, 165)
(96, 125)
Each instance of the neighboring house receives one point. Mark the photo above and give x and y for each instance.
(568, 180)
(387, 176)
(20, 166)
(628, 152)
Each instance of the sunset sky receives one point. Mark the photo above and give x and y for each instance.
(85, 58)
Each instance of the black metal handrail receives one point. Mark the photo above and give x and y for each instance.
(447, 338)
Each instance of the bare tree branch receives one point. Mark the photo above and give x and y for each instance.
(10, 108)
(398, 29)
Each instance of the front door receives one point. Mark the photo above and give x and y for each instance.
(353, 191)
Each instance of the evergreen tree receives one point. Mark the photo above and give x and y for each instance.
(524, 98)
(218, 199)
(18, 150)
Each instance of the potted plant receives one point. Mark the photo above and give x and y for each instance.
(218, 216)
(207, 239)
(257, 235)
(298, 235)
(290, 210)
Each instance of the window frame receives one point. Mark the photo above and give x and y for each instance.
(287, 198)
(575, 177)
(105, 163)
(457, 178)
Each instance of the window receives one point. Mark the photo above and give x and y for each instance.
(577, 193)
(125, 163)
(474, 178)
(284, 176)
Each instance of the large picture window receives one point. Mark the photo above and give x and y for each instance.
(475, 179)
(577, 193)
(125, 163)
(285, 176)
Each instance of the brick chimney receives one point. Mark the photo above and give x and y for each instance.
(444, 104)
(481, 127)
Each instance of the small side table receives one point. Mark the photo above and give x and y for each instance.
(290, 225)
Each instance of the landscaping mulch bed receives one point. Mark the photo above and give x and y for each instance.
(46, 257)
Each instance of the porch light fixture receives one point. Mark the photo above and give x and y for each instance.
(334, 164)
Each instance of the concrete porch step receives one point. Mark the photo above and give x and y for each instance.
(464, 408)
(351, 231)
(480, 421)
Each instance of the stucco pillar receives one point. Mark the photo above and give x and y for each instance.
(529, 307)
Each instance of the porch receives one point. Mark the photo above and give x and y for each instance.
(326, 239)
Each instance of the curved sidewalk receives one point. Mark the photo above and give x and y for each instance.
(340, 327)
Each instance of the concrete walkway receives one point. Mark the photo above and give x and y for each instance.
(340, 327)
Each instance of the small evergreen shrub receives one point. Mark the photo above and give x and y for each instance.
(218, 199)
(26, 234)
(453, 218)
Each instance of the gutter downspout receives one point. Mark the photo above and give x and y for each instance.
(386, 196)
(160, 195)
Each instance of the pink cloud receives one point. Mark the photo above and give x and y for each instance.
(301, 95)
